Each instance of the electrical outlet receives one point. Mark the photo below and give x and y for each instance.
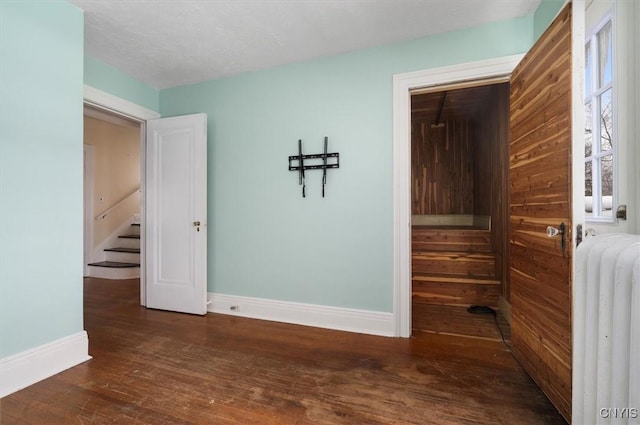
(101, 198)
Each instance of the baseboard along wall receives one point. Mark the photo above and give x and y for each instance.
(28, 367)
(343, 319)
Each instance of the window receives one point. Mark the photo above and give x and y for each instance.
(600, 140)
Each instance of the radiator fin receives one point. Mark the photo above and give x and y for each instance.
(606, 331)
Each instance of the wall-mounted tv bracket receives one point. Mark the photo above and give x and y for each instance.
(301, 166)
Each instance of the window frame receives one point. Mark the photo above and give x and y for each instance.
(594, 98)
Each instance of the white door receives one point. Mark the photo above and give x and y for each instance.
(176, 214)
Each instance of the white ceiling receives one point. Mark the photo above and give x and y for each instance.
(170, 43)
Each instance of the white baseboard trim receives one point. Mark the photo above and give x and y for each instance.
(28, 367)
(343, 319)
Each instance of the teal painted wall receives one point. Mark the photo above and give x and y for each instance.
(265, 240)
(41, 57)
(104, 77)
(544, 14)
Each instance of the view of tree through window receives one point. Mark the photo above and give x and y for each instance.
(599, 123)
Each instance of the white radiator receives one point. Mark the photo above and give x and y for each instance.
(606, 331)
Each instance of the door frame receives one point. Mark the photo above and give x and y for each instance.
(121, 107)
(403, 85)
(89, 154)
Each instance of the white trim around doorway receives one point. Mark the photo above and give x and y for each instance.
(88, 181)
(121, 107)
(403, 85)
(114, 104)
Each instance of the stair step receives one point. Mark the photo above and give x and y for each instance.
(134, 229)
(114, 264)
(129, 241)
(123, 249)
(454, 263)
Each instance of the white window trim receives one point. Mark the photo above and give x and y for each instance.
(595, 171)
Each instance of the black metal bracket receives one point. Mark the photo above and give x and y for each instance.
(300, 166)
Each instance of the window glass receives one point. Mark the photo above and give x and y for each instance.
(588, 65)
(606, 121)
(588, 181)
(606, 164)
(587, 130)
(604, 55)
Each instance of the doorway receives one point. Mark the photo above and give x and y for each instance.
(115, 107)
(112, 203)
(172, 164)
(459, 208)
(404, 86)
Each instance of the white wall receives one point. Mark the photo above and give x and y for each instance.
(116, 172)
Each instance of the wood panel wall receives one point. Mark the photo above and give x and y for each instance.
(463, 168)
(442, 168)
(540, 196)
(491, 174)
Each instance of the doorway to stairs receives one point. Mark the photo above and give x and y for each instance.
(459, 208)
(112, 201)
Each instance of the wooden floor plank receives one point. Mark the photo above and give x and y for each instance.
(156, 367)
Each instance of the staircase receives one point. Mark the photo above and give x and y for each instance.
(454, 266)
(122, 261)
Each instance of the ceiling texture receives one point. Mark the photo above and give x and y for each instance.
(167, 43)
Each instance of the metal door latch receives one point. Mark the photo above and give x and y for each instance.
(554, 231)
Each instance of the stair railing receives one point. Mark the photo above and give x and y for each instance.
(106, 212)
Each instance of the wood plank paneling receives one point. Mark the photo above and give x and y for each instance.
(479, 264)
(540, 196)
(491, 174)
(453, 267)
(441, 168)
(459, 104)
(456, 320)
(473, 175)
(452, 291)
(436, 239)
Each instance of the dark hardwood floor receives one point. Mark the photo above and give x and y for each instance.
(156, 367)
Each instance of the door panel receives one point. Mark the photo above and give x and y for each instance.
(540, 196)
(176, 213)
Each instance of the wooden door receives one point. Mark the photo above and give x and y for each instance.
(540, 196)
(176, 214)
